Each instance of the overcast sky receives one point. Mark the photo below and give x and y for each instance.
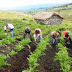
(15, 3)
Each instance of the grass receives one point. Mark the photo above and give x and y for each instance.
(12, 15)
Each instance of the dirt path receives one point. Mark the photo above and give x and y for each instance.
(47, 63)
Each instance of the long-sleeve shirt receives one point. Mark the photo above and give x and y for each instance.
(37, 33)
(65, 33)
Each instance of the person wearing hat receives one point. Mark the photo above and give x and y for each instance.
(27, 32)
(53, 36)
(10, 27)
(66, 35)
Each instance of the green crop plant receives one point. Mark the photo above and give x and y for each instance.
(19, 28)
(63, 58)
(19, 37)
(11, 39)
(2, 35)
(5, 41)
(36, 54)
(2, 62)
(19, 47)
(24, 42)
(20, 25)
(12, 53)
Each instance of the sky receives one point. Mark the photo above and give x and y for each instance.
(15, 3)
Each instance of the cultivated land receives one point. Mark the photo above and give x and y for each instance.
(65, 11)
(19, 55)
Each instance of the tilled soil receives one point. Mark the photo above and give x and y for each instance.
(11, 47)
(19, 61)
(47, 63)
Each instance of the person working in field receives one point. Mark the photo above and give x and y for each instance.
(10, 27)
(66, 36)
(27, 32)
(54, 35)
(37, 34)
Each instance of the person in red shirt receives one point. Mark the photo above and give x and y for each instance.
(37, 34)
(66, 36)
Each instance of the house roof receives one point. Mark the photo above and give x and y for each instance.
(45, 15)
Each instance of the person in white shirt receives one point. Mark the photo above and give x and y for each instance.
(10, 27)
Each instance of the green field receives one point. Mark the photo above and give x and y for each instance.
(66, 12)
(22, 55)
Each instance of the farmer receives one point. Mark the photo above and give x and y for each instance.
(27, 32)
(66, 36)
(10, 27)
(37, 34)
(54, 35)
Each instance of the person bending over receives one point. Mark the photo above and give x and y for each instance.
(54, 35)
(37, 34)
(27, 32)
(10, 27)
(66, 36)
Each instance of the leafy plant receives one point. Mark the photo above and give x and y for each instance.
(63, 58)
(12, 53)
(2, 62)
(19, 47)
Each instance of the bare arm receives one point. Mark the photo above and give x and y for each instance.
(64, 36)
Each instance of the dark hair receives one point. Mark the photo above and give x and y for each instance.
(6, 24)
(37, 31)
(28, 30)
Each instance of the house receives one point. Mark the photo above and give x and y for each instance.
(48, 18)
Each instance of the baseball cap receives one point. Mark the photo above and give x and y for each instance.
(68, 32)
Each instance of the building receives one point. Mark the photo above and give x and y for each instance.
(48, 18)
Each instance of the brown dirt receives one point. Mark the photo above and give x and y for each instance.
(47, 63)
(19, 61)
(5, 51)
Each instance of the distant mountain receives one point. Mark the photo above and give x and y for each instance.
(65, 10)
(34, 8)
(62, 8)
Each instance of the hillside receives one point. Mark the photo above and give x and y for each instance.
(64, 10)
(22, 55)
(12, 15)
